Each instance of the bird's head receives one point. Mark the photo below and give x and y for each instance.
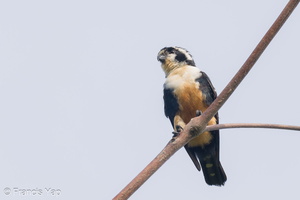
(174, 57)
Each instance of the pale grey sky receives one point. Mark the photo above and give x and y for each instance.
(81, 105)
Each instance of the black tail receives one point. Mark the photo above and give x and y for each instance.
(209, 160)
(212, 169)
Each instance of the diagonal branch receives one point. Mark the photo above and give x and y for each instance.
(197, 125)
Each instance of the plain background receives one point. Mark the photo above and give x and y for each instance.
(81, 108)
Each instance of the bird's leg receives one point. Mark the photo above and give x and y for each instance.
(198, 113)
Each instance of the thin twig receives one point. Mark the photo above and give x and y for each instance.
(197, 125)
(251, 125)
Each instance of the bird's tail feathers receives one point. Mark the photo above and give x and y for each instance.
(212, 169)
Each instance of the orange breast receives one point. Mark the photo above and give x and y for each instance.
(190, 99)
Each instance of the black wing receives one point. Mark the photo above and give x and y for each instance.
(207, 89)
(171, 104)
(210, 153)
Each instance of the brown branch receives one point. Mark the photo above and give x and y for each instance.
(251, 125)
(197, 125)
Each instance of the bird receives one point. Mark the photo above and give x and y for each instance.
(188, 92)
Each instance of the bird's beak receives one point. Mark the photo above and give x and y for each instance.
(161, 58)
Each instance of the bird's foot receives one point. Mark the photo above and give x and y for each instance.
(177, 132)
(198, 113)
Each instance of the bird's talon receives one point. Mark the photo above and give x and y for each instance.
(198, 113)
(175, 134)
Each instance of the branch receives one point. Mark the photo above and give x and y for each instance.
(251, 125)
(197, 125)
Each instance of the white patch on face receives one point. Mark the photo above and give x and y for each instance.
(172, 57)
(182, 75)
